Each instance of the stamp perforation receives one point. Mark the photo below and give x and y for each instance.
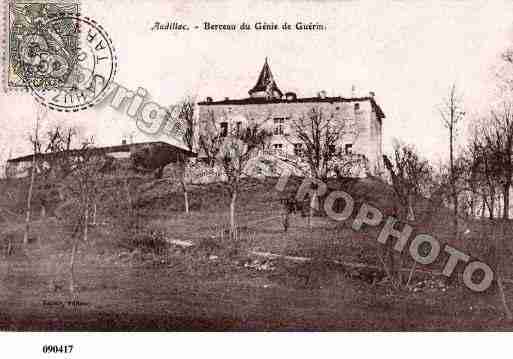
(5, 31)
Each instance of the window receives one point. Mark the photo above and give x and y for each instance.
(278, 147)
(298, 149)
(224, 129)
(356, 106)
(348, 148)
(331, 149)
(278, 125)
(238, 127)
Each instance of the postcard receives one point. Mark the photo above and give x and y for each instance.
(271, 166)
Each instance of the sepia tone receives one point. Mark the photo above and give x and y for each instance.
(172, 166)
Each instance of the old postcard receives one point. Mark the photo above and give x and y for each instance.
(255, 166)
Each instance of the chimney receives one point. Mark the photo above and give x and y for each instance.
(226, 98)
(123, 142)
(322, 94)
(209, 99)
(372, 94)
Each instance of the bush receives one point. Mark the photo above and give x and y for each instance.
(146, 239)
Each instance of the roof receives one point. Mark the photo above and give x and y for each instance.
(263, 101)
(266, 82)
(98, 150)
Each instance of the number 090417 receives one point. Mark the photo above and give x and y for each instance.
(57, 349)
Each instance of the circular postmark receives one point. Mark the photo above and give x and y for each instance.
(68, 62)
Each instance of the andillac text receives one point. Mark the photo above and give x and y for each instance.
(372, 216)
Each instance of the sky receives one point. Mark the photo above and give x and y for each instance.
(408, 53)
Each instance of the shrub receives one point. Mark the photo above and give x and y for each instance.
(145, 238)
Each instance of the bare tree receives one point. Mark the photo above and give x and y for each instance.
(452, 114)
(411, 176)
(36, 148)
(491, 157)
(498, 140)
(321, 133)
(484, 168)
(60, 140)
(52, 161)
(232, 151)
(186, 116)
(81, 186)
(501, 233)
(237, 150)
(210, 138)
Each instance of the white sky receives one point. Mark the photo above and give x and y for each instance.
(409, 53)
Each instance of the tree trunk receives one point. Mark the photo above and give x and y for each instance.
(313, 203)
(499, 250)
(453, 179)
(410, 213)
(492, 206)
(286, 221)
(72, 265)
(505, 211)
(95, 209)
(383, 256)
(391, 262)
(455, 217)
(159, 173)
(507, 311)
(29, 201)
(185, 196)
(412, 271)
(86, 223)
(232, 213)
(186, 200)
(9, 250)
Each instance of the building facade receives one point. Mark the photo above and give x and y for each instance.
(267, 105)
(159, 153)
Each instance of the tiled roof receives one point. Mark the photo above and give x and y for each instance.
(97, 150)
(265, 82)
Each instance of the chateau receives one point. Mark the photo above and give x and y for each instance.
(267, 104)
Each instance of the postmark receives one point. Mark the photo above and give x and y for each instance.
(66, 60)
(89, 72)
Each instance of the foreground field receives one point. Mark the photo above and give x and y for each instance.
(204, 288)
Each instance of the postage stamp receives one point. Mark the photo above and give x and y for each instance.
(67, 61)
(26, 23)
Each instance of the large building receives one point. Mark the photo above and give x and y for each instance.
(268, 104)
(143, 154)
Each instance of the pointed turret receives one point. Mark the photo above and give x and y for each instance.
(266, 86)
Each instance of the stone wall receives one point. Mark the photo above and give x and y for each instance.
(366, 140)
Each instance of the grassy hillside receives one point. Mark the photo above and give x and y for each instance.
(207, 288)
(259, 216)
